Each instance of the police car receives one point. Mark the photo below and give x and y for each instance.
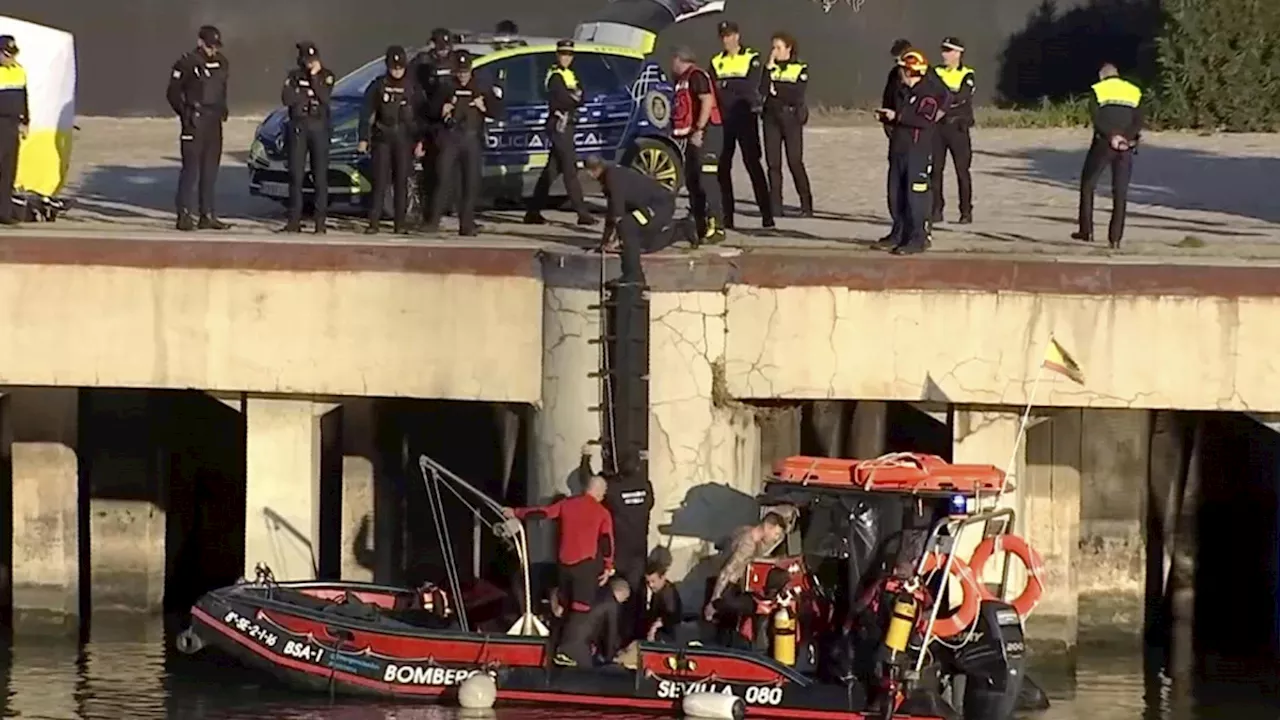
(625, 117)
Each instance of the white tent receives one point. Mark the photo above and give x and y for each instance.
(49, 57)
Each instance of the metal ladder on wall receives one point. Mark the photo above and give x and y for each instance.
(607, 439)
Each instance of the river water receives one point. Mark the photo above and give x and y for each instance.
(128, 679)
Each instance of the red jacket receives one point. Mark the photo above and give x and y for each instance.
(583, 521)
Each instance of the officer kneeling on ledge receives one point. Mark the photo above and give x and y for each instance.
(1117, 129)
(919, 108)
(306, 94)
(388, 117)
(641, 213)
(462, 106)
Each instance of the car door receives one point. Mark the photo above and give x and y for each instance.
(508, 156)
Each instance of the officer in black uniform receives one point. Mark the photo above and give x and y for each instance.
(953, 132)
(389, 119)
(564, 93)
(306, 94)
(198, 95)
(739, 78)
(15, 116)
(1117, 129)
(785, 115)
(918, 109)
(429, 69)
(461, 106)
(641, 213)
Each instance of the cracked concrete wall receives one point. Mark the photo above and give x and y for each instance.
(449, 337)
(985, 347)
(565, 419)
(704, 450)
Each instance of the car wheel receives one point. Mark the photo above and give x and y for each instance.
(658, 160)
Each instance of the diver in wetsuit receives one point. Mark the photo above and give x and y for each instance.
(598, 626)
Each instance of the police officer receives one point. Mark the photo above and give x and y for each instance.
(696, 119)
(389, 119)
(564, 93)
(919, 107)
(429, 69)
(785, 115)
(739, 76)
(641, 216)
(15, 116)
(198, 95)
(953, 132)
(1117, 128)
(306, 94)
(461, 106)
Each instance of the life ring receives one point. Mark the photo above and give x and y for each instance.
(1021, 549)
(970, 597)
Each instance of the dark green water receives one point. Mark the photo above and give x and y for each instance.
(138, 679)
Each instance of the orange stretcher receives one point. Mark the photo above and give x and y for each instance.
(912, 473)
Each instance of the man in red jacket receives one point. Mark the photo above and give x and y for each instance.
(586, 543)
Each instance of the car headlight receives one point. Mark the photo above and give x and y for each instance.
(257, 152)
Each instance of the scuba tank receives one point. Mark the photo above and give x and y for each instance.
(901, 623)
(784, 637)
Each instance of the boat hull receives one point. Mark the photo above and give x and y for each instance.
(310, 645)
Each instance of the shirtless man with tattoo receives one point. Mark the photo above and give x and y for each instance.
(749, 542)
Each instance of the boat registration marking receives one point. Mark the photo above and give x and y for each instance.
(250, 629)
(303, 651)
(752, 695)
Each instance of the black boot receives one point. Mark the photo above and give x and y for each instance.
(209, 222)
(291, 228)
(1082, 235)
(185, 223)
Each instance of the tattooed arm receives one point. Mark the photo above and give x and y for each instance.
(742, 552)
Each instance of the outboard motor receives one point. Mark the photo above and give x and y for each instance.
(992, 663)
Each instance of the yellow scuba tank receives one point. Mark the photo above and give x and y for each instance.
(898, 633)
(784, 637)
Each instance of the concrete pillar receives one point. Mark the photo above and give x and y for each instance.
(360, 471)
(1050, 501)
(282, 498)
(986, 436)
(565, 420)
(869, 428)
(46, 526)
(1116, 459)
(704, 447)
(125, 466)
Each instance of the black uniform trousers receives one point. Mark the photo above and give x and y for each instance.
(784, 127)
(201, 142)
(9, 143)
(460, 155)
(578, 584)
(429, 179)
(702, 179)
(308, 137)
(1101, 155)
(630, 567)
(645, 231)
(909, 195)
(562, 160)
(952, 137)
(742, 130)
(392, 162)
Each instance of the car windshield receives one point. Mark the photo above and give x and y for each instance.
(352, 86)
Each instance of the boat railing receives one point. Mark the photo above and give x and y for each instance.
(947, 543)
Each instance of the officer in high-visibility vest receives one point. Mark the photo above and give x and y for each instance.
(953, 132)
(785, 115)
(15, 116)
(739, 77)
(1117, 128)
(564, 94)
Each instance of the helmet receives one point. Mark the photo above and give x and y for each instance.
(913, 61)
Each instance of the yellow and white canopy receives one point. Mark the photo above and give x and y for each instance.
(49, 57)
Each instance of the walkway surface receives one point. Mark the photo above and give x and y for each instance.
(1201, 200)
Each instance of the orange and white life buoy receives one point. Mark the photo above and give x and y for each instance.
(970, 597)
(1021, 549)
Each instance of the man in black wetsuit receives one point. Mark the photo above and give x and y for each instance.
(665, 610)
(598, 627)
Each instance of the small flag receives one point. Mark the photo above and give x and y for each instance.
(1057, 359)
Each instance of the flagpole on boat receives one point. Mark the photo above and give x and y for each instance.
(1010, 467)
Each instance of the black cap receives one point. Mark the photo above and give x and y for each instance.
(951, 42)
(307, 50)
(8, 45)
(396, 57)
(899, 46)
(564, 46)
(209, 35)
(461, 60)
(727, 27)
(441, 34)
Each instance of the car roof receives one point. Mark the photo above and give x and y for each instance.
(496, 47)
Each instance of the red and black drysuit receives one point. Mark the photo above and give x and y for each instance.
(586, 547)
(911, 139)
